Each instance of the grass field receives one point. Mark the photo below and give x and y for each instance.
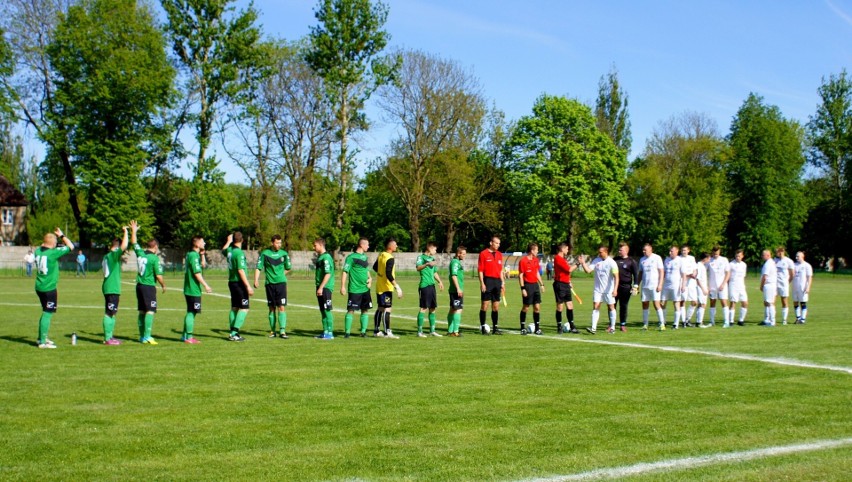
(746, 403)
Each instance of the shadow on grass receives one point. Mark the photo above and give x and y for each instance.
(19, 339)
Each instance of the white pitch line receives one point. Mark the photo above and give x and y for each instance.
(693, 462)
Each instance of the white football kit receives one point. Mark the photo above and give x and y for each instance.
(672, 284)
(716, 269)
(736, 283)
(651, 266)
(802, 274)
(784, 266)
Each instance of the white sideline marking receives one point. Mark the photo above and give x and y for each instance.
(692, 462)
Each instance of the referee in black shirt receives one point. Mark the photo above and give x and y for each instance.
(628, 276)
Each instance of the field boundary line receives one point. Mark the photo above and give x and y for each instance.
(699, 461)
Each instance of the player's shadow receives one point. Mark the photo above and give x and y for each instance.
(19, 339)
(87, 336)
(306, 333)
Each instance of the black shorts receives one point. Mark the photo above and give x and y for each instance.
(533, 296)
(276, 294)
(493, 289)
(359, 301)
(239, 295)
(562, 291)
(193, 304)
(48, 300)
(111, 304)
(456, 302)
(324, 301)
(428, 297)
(385, 300)
(146, 298)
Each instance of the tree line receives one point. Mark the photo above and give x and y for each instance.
(126, 95)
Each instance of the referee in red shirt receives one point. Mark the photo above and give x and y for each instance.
(491, 279)
(529, 276)
(562, 287)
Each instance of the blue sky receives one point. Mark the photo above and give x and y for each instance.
(672, 56)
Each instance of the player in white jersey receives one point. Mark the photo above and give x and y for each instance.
(606, 287)
(651, 275)
(784, 265)
(690, 292)
(717, 280)
(673, 286)
(701, 289)
(768, 285)
(803, 276)
(737, 271)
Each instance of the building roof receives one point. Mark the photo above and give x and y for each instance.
(9, 195)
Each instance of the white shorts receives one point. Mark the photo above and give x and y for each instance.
(769, 293)
(605, 298)
(692, 291)
(719, 293)
(650, 294)
(702, 298)
(783, 290)
(737, 295)
(799, 295)
(672, 294)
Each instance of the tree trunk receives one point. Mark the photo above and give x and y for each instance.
(451, 234)
(414, 229)
(344, 168)
(72, 197)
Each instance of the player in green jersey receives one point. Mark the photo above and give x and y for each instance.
(275, 263)
(149, 272)
(325, 284)
(428, 298)
(356, 278)
(456, 291)
(193, 280)
(238, 285)
(112, 286)
(47, 275)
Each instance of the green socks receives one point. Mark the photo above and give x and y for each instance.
(365, 318)
(272, 320)
(420, 317)
(329, 316)
(43, 326)
(432, 322)
(239, 319)
(347, 322)
(140, 321)
(149, 324)
(282, 320)
(188, 325)
(109, 326)
(232, 317)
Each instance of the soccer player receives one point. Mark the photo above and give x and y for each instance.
(385, 284)
(652, 276)
(701, 289)
(275, 263)
(802, 278)
(628, 282)
(238, 285)
(357, 279)
(562, 288)
(193, 280)
(532, 287)
(47, 275)
(717, 274)
(737, 271)
(769, 287)
(690, 287)
(456, 292)
(673, 286)
(425, 265)
(606, 284)
(111, 286)
(491, 279)
(325, 284)
(785, 266)
(149, 271)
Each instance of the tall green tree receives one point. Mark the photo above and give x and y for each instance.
(677, 187)
(566, 175)
(345, 50)
(611, 115)
(830, 151)
(764, 178)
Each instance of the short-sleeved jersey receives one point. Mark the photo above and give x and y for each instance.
(457, 270)
(191, 285)
(383, 282)
(147, 266)
(604, 271)
(701, 274)
(356, 268)
(651, 266)
(325, 265)
(802, 273)
(427, 274)
(673, 268)
(490, 263)
(529, 269)
(770, 271)
(47, 266)
(236, 262)
(274, 265)
(716, 269)
(112, 272)
(688, 265)
(738, 270)
(561, 269)
(783, 265)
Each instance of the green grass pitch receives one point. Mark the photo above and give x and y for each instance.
(474, 408)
